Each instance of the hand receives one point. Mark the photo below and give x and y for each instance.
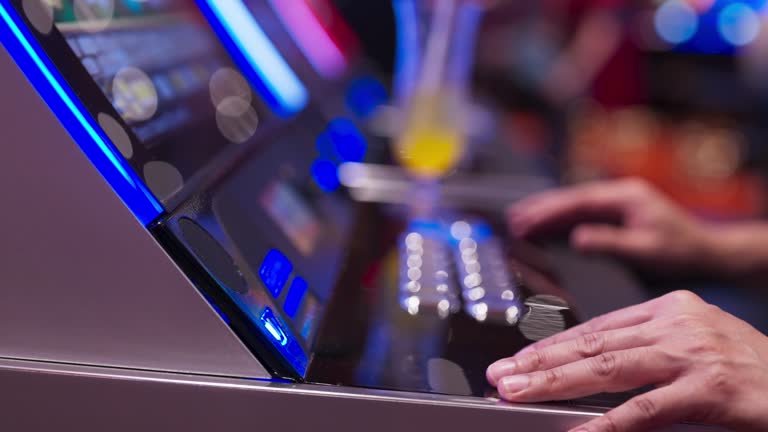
(652, 229)
(708, 366)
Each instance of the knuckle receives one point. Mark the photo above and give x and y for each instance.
(553, 378)
(683, 297)
(591, 345)
(712, 310)
(719, 379)
(607, 423)
(604, 365)
(645, 407)
(535, 360)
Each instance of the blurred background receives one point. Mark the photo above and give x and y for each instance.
(674, 91)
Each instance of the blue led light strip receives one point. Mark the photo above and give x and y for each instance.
(42, 74)
(285, 92)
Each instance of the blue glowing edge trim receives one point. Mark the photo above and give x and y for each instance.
(78, 122)
(279, 87)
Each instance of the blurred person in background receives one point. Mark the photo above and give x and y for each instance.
(706, 365)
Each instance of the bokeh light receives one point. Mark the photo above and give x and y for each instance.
(738, 24)
(676, 21)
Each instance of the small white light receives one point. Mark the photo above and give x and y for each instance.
(414, 241)
(480, 311)
(476, 294)
(513, 315)
(473, 280)
(413, 286)
(473, 267)
(414, 261)
(444, 308)
(461, 230)
(468, 245)
(412, 305)
(414, 274)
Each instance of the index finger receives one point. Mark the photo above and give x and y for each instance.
(602, 198)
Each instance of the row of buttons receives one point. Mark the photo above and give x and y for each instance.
(427, 277)
(274, 273)
(489, 291)
(442, 265)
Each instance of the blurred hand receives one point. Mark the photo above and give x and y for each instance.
(651, 230)
(708, 366)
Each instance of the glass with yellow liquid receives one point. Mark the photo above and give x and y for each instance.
(435, 55)
(432, 140)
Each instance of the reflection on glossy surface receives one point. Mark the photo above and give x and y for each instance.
(236, 120)
(134, 95)
(163, 178)
(116, 134)
(402, 329)
(40, 15)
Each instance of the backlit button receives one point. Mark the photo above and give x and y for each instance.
(273, 327)
(274, 272)
(295, 296)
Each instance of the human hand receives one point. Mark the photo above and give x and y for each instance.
(707, 366)
(652, 229)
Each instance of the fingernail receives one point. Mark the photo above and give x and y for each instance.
(498, 370)
(514, 384)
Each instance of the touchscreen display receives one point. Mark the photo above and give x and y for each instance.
(166, 74)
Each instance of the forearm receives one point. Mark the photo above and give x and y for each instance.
(738, 250)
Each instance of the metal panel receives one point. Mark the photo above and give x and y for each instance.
(81, 281)
(91, 399)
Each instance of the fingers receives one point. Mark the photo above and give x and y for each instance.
(648, 411)
(609, 372)
(610, 239)
(627, 317)
(583, 347)
(611, 198)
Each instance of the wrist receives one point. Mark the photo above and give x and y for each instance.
(735, 250)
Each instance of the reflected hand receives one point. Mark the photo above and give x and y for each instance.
(708, 367)
(652, 229)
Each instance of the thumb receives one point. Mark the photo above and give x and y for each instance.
(623, 241)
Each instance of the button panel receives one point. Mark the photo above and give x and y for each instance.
(488, 289)
(427, 278)
(446, 267)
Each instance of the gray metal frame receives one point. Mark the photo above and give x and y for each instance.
(81, 281)
(60, 397)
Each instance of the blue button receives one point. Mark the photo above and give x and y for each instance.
(295, 296)
(273, 327)
(275, 271)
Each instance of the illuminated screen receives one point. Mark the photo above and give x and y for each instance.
(170, 80)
